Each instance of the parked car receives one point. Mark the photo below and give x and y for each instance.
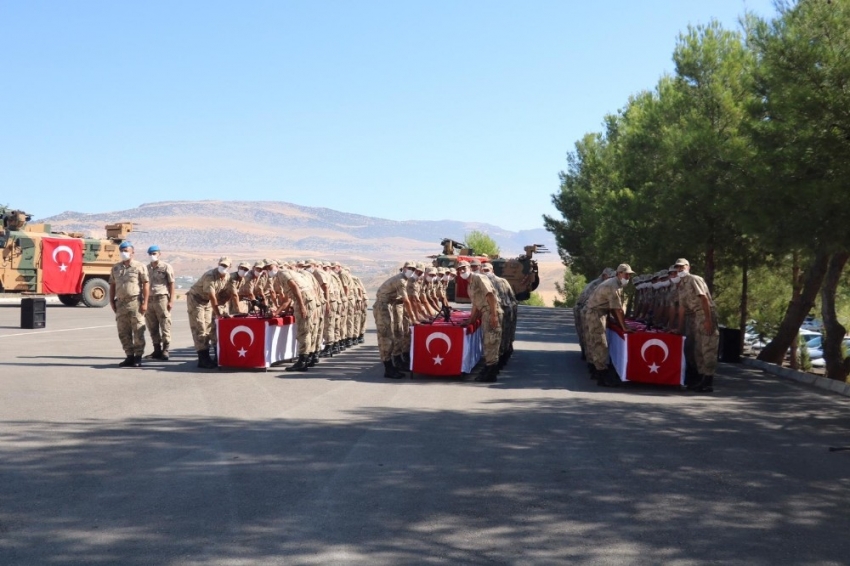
(817, 353)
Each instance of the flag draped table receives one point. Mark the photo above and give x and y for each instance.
(254, 342)
(445, 348)
(647, 356)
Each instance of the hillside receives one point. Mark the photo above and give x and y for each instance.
(194, 233)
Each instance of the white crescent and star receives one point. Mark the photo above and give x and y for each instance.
(240, 329)
(62, 266)
(653, 368)
(438, 336)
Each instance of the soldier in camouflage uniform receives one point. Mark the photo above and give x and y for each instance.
(203, 308)
(606, 299)
(698, 320)
(508, 302)
(129, 289)
(485, 305)
(229, 296)
(158, 315)
(362, 309)
(296, 291)
(579, 309)
(388, 323)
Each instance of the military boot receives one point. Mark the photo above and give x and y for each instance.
(164, 355)
(705, 384)
(390, 371)
(360, 339)
(398, 363)
(300, 365)
(205, 361)
(405, 358)
(488, 374)
(128, 362)
(156, 354)
(326, 352)
(312, 360)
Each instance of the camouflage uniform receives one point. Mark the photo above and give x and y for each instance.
(362, 308)
(331, 323)
(414, 288)
(579, 311)
(479, 287)
(607, 296)
(158, 316)
(348, 305)
(199, 308)
(230, 293)
(509, 307)
(390, 294)
(129, 281)
(702, 352)
(305, 324)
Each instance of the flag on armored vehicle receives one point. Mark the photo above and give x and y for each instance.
(62, 266)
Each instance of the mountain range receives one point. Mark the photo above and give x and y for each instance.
(193, 234)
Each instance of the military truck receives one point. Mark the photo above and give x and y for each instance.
(521, 272)
(21, 267)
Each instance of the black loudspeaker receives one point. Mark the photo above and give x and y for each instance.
(730, 346)
(33, 312)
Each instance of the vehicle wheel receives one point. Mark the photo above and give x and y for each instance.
(70, 300)
(96, 293)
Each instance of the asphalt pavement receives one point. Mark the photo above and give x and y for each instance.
(169, 464)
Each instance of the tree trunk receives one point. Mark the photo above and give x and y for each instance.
(796, 289)
(796, 313)
(833, 342)
(745, 284)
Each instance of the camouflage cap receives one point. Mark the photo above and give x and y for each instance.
(267, 261)
(682, 261)
(244, 265)
(463, 263)
(441, 270)
(486, 266)
(312, 262)
(624, 268)
(409, 264)
(430, 271)
(420, 266)
(608, 272)
(272, 263)
(474, 262)
(336, 264)
(224, 260)
(261, 264)
(672, 269)
(451, 271)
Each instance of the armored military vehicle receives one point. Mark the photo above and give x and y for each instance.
(27, 258)
(521, 272)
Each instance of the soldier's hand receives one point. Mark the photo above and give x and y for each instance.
(112, 304)
(494, 321)
(170, 305)
(709, 327)
(143, 308)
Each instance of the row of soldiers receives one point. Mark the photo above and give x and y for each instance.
(326, 299)
(673, 300)
(418, 293)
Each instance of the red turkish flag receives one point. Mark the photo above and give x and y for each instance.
(437, 349)
(62, 266)
(241, 342)
(655, 357)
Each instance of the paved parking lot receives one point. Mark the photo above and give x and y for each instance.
(171, 465)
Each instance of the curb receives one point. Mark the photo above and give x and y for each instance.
(49, 299)
(800, 377)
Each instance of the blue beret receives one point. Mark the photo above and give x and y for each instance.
(125, 245)
(153, 249)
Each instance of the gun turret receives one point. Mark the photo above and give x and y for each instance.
(449, 246)
(14, 219)
(535, 249)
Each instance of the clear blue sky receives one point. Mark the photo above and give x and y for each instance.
(400, 109)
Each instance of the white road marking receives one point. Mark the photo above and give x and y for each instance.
(35, 332)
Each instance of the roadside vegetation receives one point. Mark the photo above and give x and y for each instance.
(738, 161)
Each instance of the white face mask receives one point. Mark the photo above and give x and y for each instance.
(274, 270)
(465, 275)
(126, 255)
(489, 274)
(222, 269)
(444, 278)
(257, 272)
(408, 273)
(623, 282)
(665, 284)
(674, 279)
(242, 272)
(154, 257)
(311, 269)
